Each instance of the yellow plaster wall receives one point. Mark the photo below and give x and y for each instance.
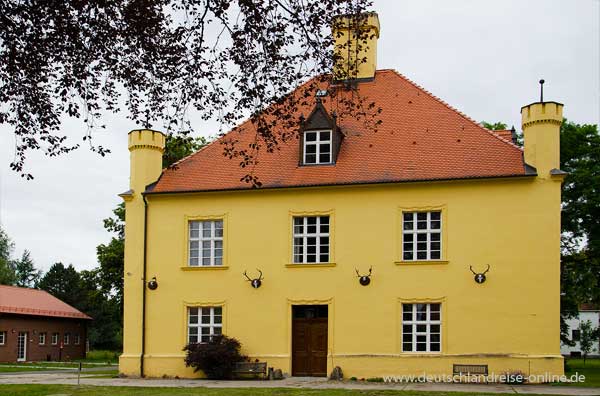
(509, 322)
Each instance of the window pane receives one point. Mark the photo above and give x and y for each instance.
(325, 136)
(434, 328)
(218, 311)
(435, 225)
(421, 237)
(408, 225)
(435, 255)
(407, 329)
(435, 236)
(217, 331)
(422, 255)
(194, 225)
(407, 346)
(421, 328)
(436, 215)
(408, 256)
(194, 233)
(408, 216)
(421, 225)
(311, 258)
(310, 136)
(311, 149)
(434, 338)
(324, 258)
(435, 316)
(434, 307)
(421, 347)
(408, 237)
(434, 347)
(324, 158)
(311, 159)
(407, 315)
(421, 215)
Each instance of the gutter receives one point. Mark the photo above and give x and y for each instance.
(144, 288)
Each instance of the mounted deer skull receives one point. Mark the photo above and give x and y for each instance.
(480, 277)
(256, 282)
(364, 279)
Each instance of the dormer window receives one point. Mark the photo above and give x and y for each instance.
(320, 138)
(317, 147)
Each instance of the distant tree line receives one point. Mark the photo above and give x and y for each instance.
(97, 292)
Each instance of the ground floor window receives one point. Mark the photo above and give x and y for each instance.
(76, 339)
(66, 338)
(54, 338)
(203, 323)
(42, 339)
(2, 337)
(421, 327)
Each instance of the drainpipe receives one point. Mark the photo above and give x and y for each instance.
(144, 289)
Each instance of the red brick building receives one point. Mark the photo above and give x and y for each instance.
(36, 326)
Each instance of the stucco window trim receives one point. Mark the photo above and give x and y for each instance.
(201, 304)
(442, 300)
(399, 237)
(186, 238)
(300, 213)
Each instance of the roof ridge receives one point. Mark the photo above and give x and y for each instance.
(452, 108)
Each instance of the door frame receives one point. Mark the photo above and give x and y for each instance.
(330, 327)
(22, 335)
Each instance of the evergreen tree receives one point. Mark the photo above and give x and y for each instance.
(25, 272)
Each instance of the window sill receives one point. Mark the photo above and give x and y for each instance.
(205, 268)
(307, 265)
(421, 262)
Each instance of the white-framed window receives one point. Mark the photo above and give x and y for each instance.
(42, 338)
(311, 239)
(206, 243)
(317, 147)
(2, 337)
(54, 338)
(66, 338)
(76, 339)
(422, 235)
(203, 323)
(421, 327)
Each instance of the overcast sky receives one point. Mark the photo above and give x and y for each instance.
(483, 57)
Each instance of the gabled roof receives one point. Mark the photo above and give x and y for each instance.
(24, 301)
(421, 138)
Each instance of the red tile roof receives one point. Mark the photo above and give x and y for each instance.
(420, 138)
(24, 301)
(505, 134)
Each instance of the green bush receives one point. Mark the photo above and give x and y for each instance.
(215, 358)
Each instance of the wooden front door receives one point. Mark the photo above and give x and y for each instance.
(309, 340)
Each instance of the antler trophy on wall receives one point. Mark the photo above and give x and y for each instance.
(256, 282)
(480, 276)
(364, 279)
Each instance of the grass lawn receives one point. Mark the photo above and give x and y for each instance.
(591, 370)
(101, 356)
(69, 390)
(37, 366)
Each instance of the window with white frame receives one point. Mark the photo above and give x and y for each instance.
(311, 239)
(203, 323)
(421, 235)
(54, 338)
(2, 337)
(421, 328)
(317, 147)
(76, 339)
(66, 339)
(205, 243)
(42, 338)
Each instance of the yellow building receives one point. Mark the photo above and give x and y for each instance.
(427, 200)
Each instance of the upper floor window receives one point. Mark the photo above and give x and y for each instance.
(206, 243)
(317, 147)
(421, 327)
(204, 323)
(42, 339)
(421, 235)
(54, 338)
(311, 239)
(2, 337)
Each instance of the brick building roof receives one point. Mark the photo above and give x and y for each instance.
(24, 301)
(421, 138)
